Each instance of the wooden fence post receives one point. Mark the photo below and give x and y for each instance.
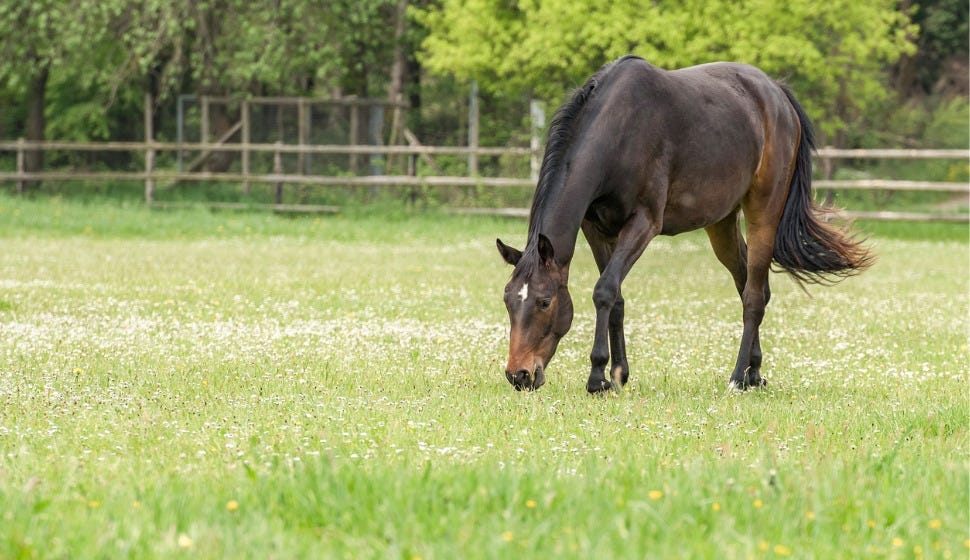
(538, 117)
(354, 135)
(473, 130)
(204, 119)
(827, 171)
(302, 159)
(245, 145)
(21, 158)
(278, 170)
(150, 151)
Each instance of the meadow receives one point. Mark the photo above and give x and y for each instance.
(248, 385)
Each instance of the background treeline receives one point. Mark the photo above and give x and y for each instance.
(876, 73)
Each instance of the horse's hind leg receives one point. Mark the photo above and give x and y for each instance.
(732, 252)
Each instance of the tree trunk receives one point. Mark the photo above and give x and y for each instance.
(398, 73)
(36, 123)
(399, 67)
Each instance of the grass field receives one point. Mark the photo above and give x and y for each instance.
(220, 385)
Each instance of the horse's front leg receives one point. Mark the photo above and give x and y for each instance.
(600, 354)
(602, 248)
(633, 239)
(619, 368)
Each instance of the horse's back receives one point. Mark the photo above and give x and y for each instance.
(693, 137)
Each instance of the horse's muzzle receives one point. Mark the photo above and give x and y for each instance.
(525, 380)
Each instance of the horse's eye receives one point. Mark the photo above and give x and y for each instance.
(543, 304)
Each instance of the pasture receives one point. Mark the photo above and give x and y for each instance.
(220, 385)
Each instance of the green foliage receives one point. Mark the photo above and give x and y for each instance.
(834, 53)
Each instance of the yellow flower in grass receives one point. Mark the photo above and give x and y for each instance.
(508, 536)
(897, 542)
(530, 504)
(232, 505)
(655, 494)
(935, 524)
(782, 550)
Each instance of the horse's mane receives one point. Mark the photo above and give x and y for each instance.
(561, 134)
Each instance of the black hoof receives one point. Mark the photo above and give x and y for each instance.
(598, 386)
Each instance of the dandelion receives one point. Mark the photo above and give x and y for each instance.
(871, 524)
(232, 505)
(716, 506)
(935, 524)
(655, 494)
(508, 536)
(782, 550)
(810, 515)
(94, 504)
(757, 504)
(763, 546)
(530, 504)
(136, 504)
(897, 542)
(184, 541)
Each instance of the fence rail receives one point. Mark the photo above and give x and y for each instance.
(151, 174)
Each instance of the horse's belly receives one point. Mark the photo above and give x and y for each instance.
(690, 209)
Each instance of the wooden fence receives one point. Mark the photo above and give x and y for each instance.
(151, 174)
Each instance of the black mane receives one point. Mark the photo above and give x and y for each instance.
(561, 132)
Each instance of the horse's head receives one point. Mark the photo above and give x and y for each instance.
(540, 311)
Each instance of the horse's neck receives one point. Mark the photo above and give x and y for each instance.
(561, 224)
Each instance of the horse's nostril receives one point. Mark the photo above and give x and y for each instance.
(520, 379)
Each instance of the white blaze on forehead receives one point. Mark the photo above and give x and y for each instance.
(524, 292)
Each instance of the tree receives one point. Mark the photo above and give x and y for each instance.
(833, 53)
(36, 38)
(940, 63)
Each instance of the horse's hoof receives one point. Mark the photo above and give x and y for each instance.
(620, 376)
(598, 386)
(742, 386)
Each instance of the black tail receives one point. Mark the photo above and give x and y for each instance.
(805, 246)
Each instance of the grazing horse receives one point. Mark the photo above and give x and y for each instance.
(638, 151)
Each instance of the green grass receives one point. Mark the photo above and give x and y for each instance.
(187, 383)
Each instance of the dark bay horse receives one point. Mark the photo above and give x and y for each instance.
(638, 151)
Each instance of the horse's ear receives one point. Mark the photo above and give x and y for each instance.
(546, 253)
(510, 255)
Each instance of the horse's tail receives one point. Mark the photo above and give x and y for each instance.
(805, 245)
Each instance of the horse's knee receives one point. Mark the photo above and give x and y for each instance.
(606, 295)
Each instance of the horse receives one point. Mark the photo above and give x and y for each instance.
(639, 151)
